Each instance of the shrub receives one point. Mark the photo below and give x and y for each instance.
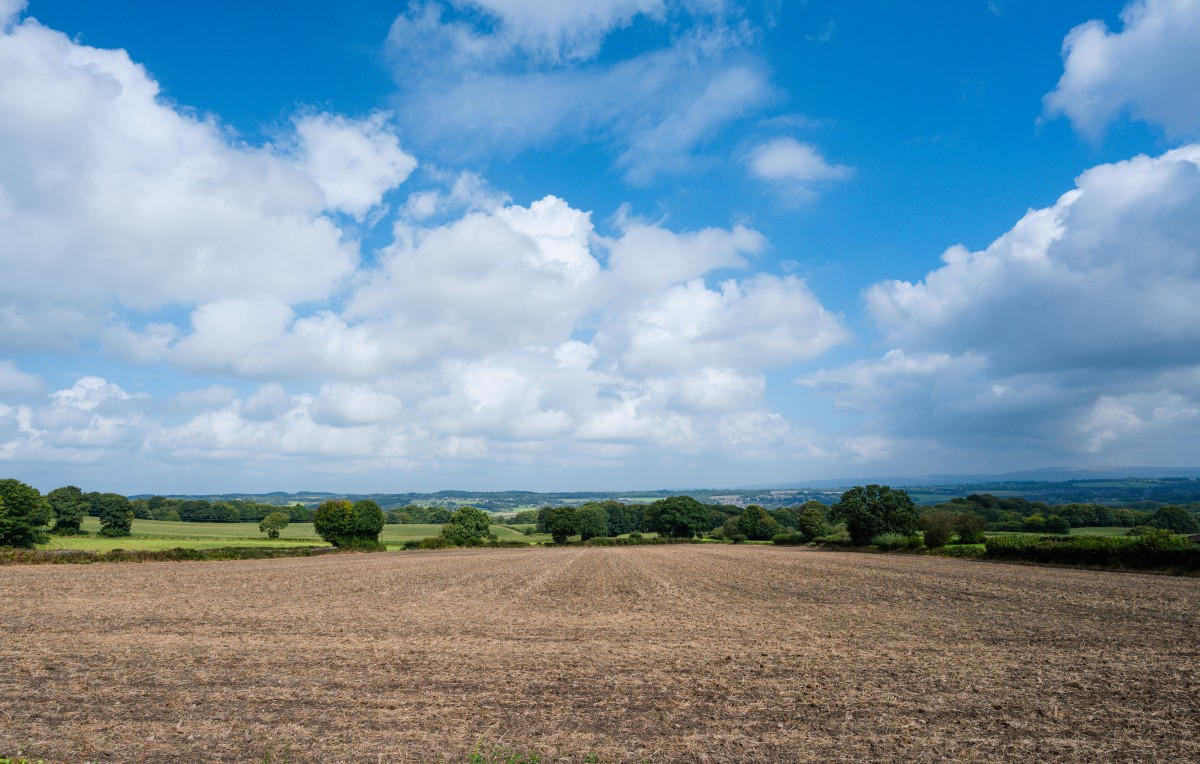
(433, 542)
(938, 526)
(738, 538)
(790, 539)
(890, 542)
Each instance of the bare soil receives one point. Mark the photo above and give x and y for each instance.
(660, 654)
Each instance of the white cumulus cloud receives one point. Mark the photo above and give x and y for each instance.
(1077, 333)
(1149, 70)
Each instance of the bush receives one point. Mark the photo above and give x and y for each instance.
(890, 542)
(790, 539)
(738, 538)
(938, 526)
(433, 542)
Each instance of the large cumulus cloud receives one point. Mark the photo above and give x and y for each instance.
(1076, 335)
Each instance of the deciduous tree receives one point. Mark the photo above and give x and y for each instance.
(875, 509)
(70, 506)
(468, 525)
(273, 523)
(24, 514)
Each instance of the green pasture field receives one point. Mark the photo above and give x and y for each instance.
(1091, 531)
(161, 534)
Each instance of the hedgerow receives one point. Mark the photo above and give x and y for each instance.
(50, 556)
(1159, 550)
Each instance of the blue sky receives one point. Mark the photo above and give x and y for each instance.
(494, 244)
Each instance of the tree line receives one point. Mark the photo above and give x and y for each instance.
(862, 514)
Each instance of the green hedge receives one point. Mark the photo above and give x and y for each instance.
(1153, 551)
(50, 557)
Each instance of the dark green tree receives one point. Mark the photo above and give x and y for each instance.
(593, 521)
(116, 514)
(467, 526)
(812, 521)
(273, 523)
(24, 514)
(1172, 518)
(875, 509)
(680, 517)
(559, 522)
(70, 507)
(1056, 524)
(755, 524)
(938, 527)
(969, 527)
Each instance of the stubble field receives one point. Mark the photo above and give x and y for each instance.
(665, 654)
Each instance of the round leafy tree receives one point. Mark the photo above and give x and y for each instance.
(561, 522)
(755, 524)
(350, 526)
(23, 514)
(70, 507)
(875, 509)
(273, 523)
(467, 525)
(680, 516)
(593, 522)
(116, 514)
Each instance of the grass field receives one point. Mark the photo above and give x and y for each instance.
(1091, 531)
(161, 534)
(713, 653)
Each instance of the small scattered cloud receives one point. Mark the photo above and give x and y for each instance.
(797, 170)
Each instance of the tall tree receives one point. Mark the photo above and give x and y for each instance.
(874, 509)
(680, 516)
(24, 514)
(70, 507)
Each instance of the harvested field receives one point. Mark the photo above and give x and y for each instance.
(669, 653)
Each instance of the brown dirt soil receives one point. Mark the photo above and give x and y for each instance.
(665, 654)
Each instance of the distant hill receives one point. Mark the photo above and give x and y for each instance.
(1140, 485)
